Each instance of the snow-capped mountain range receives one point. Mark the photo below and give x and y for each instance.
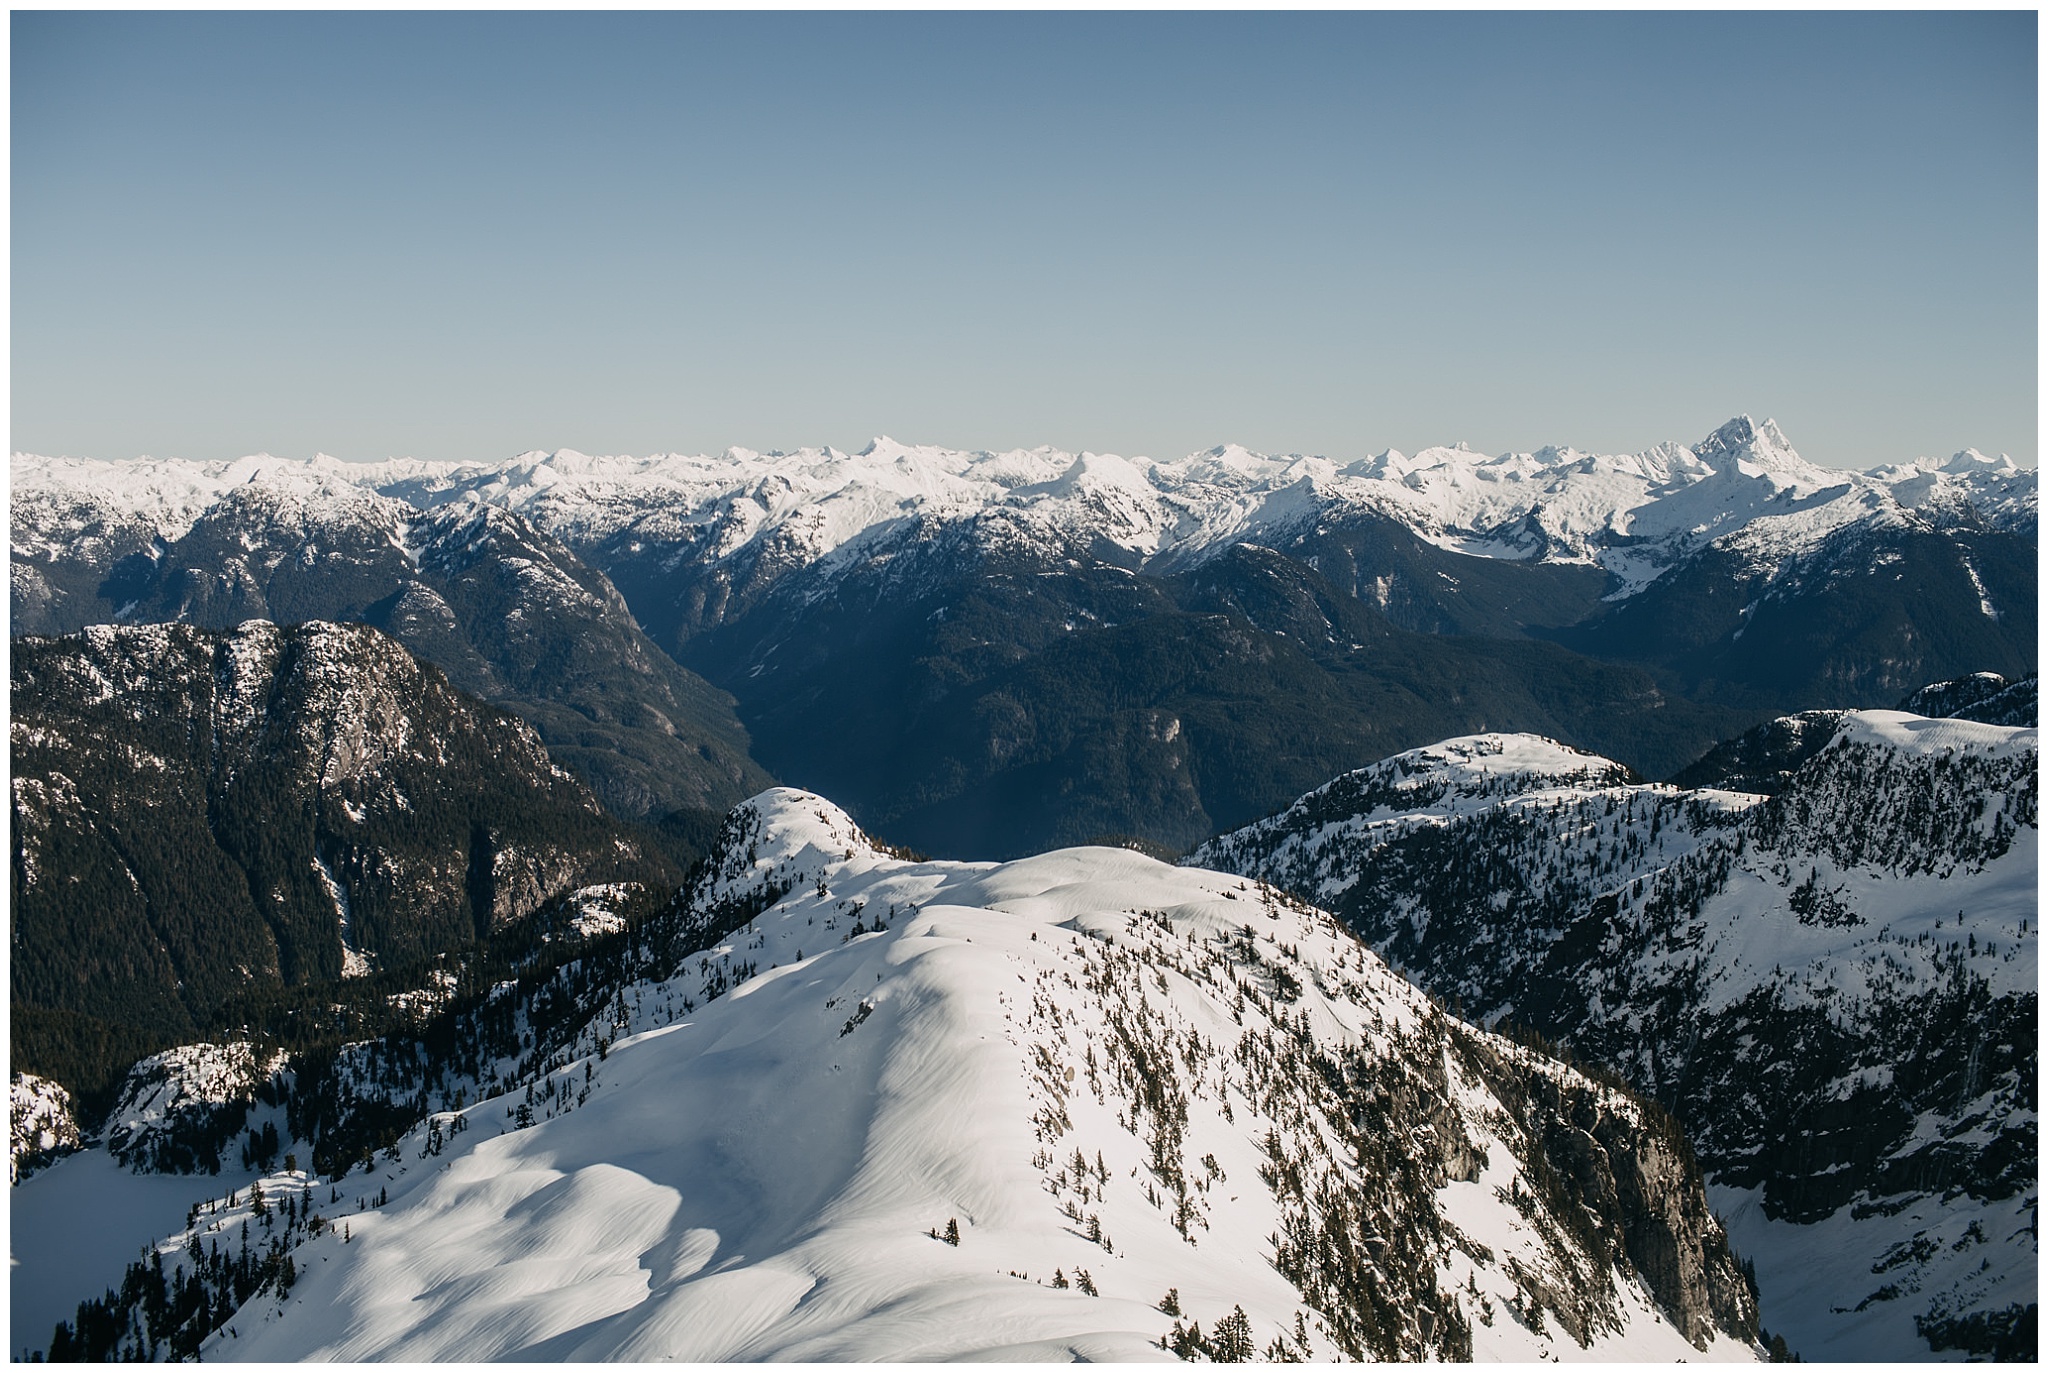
(1080, 1105)
(1835, 986)
(956, 643)
(1634, 515)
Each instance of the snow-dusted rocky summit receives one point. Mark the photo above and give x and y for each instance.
(43, 1127)
(1078, 1105)
(1835, 986)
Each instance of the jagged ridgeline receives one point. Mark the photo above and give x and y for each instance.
(837, 1103)
(1834, 985)
(200, 815)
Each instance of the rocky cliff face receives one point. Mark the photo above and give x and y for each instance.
(1629, 1169)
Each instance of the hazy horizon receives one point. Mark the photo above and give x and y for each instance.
(863, 444)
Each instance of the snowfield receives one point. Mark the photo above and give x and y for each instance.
(922, 1110)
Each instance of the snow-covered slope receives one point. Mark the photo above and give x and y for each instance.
(42, 1126)
(1078, 1105)
(1835, 986)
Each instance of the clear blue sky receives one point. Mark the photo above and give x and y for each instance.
(462, 236)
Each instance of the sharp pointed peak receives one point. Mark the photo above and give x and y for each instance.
(1744, 439)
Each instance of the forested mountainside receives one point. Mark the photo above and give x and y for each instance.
(835, 1102)
(984, 654)
(1834, 986)
(507, 612)
(1006, 710)
(199, 816)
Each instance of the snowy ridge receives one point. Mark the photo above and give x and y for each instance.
(1918, 735)
(938, 1110)
(167, 496)
(99, 512)
(1983, 696)
(1455, 773)
(1634, 514)
(919, 1100)
(1324, 841)
(782, 839)
(1834, 986)
(2003, 494)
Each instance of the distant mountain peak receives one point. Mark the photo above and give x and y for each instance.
(1971, 460)
(1744, 440)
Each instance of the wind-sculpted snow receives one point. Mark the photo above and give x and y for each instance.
(1082, 1105)
(1835, 986)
